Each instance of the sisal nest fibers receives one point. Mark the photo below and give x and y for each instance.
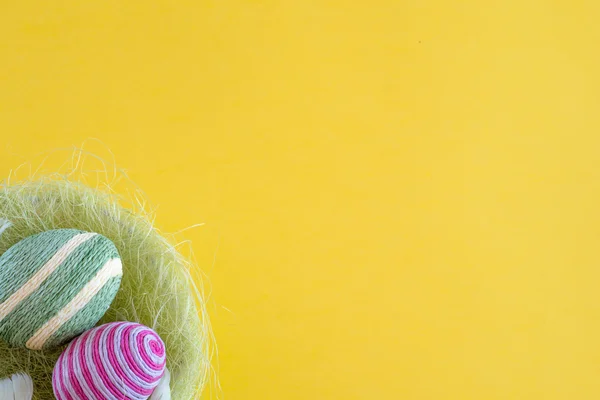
(158, 287)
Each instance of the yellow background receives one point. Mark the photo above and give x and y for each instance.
(401, 197)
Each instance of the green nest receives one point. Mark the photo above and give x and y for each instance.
(157, 288)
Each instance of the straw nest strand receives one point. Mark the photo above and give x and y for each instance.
(157, 289)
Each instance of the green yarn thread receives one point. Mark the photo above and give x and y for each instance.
(23, 262)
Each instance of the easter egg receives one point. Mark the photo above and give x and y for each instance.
(56, 285)
(119, 360)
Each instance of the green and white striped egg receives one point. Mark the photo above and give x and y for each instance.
(56, 285)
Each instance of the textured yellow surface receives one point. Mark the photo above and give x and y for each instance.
(402, 196)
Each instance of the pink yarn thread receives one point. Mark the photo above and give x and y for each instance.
(119, 360)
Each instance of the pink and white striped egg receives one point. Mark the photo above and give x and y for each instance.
(118, 360)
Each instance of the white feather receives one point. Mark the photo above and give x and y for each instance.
(163, 390)
(17, 387)
(4, 225)
(6, 389)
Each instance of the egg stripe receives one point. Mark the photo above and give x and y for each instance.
(149, 362)
(111, 269)
(43, 273)
(97, 350)
(93, 311)
(126, 363)
(57, 374)
(86, 357)
(21, 261)
(125, 373)
(70, 383)
(81, 371)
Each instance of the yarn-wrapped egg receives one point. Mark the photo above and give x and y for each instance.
(118, 360)
(56, 285)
